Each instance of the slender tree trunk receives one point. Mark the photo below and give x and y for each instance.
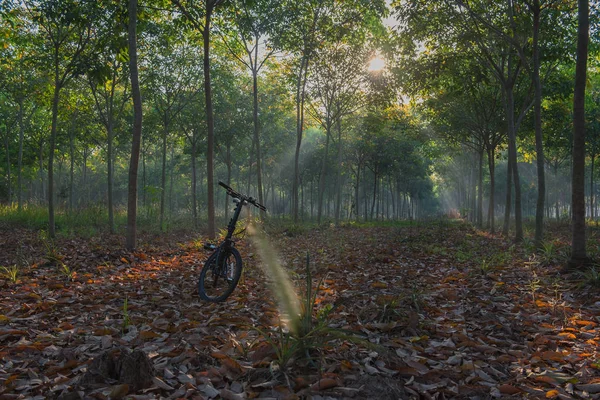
(228, 163)
(480, 190)
(20, 157)
(72, 169)
(41, 172)
(110, 168)
(8, 169)
(507, 209)
(211, 129)
(357, 200)
(194, 198)
(300, 92)
(172, 199)
(592, 205)
(257, 139)
(55, 100)
(163, 174)
(578, 251)
(338, 179)
(492, 205)
(323, 174)
(512, 159)
(541, 194)
(375, 179)
(137, 128)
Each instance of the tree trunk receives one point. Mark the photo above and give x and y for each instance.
(228, 163)
(592, 206)
(375, 179)
(541, 194)
(137, 128)
(194, 198)
(508, 206)
(20, 158)
(338, 180)
(55, 100)
(257, 138)
(109, 158)
(512, 142)
(578, 252)
(211, 128)
(172, 198)
(72, 169)
(9, 178)
(492, 203)
(163, 174)
(300, 90)
(480, 190)
(357, 204)
(323, 174)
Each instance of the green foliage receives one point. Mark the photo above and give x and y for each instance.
(66, 271)
(312, 331)
(591, 276)
(52, 254)
(11, 273)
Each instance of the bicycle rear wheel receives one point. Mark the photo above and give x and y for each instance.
(220, 274)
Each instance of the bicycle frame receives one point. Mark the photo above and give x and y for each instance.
(228, 242)
(225, 263)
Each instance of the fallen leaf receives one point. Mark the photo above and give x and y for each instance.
(324, 384)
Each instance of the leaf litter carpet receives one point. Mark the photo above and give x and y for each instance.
(443, 310)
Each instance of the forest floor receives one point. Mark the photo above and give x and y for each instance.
(438, 310)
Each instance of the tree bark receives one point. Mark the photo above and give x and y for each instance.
(480, 190)
(592, 198)
(210, 139)
(20, 157)
(323, 174)
(492, 203)
(194, 198)
(300, 90)
(541, 194)
(512, 159)
(257, 137)
(9, 178)
(55, 100)
(137, 128)
(163, 173)
(578, 252)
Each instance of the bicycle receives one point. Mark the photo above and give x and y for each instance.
(223, 268)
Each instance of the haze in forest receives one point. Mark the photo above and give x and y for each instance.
(325, 111)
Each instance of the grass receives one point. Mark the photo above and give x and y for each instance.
(88, 222)
(11, 273)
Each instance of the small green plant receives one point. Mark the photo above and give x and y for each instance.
(389, 309)
(484, 267)
(309, 331)
(534, 285)
(416, 297)
(548, 253)
(528, 244)
(11, 273)
(66, 271)
(591, 276)
(464, 256)
(125, 311)
(52, 255)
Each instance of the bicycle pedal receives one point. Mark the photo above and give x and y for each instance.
(209, 246)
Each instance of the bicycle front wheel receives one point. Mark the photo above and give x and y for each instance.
(220, 274)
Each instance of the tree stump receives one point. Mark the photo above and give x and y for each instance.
(120, 366)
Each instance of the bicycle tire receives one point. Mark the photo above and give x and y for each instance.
(216, 283)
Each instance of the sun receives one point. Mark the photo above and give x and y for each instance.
(377, 63)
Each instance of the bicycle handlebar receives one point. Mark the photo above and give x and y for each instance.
(242, 197)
